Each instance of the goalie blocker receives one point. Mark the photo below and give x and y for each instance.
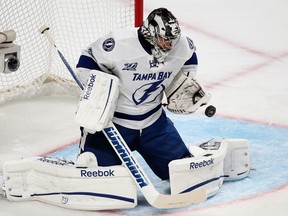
(98, 101)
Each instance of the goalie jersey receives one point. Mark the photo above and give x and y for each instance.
(142, 80)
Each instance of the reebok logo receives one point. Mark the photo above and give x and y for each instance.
(89, 86)
(97, 173)
(194, 165)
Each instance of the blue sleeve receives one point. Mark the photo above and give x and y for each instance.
(88, 62)
(193, 60)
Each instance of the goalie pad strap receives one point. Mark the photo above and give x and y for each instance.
(97, 104)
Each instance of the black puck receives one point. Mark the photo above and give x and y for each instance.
(210, 111)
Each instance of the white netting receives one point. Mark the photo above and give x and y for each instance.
(74, 24)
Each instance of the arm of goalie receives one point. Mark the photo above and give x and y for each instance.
(98, 101)
(185, 95)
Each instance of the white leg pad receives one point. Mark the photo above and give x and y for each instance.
(60, 183)
(199, 171)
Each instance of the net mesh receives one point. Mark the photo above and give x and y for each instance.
(74, 24)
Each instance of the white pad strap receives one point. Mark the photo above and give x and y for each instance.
(60, 183)
(97, 104)
(185, 95)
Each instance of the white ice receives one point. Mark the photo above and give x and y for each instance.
(243, 57)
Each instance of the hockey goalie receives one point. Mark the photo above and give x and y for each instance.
(126, 75)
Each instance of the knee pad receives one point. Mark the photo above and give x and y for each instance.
(86, 159)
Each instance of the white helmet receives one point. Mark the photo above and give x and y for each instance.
(161, 29)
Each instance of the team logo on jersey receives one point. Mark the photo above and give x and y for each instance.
(130, 66)
(191, 44)
(152, 76)
(108, 44)
(148, 92)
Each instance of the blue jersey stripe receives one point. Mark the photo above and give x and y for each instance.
(193, 60)
(88, 62)
(137, 117)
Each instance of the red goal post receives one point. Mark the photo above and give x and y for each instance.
(139, 10)
(74, 24)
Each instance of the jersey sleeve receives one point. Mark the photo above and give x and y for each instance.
(190, 66)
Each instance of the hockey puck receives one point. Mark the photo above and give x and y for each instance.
(210, 111)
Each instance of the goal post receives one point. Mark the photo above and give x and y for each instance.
(74, 24)
(139, 10)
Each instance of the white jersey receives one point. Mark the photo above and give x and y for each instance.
(142, 80)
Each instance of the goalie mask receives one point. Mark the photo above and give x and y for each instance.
(162, 31)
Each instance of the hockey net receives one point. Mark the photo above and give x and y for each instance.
(74, 24)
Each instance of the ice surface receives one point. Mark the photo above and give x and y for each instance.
(243, 57)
